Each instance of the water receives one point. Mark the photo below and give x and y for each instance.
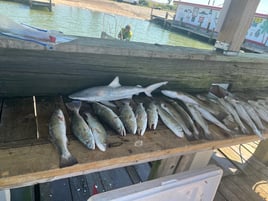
(84, 22)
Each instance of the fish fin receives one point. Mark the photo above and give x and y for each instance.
(74, 105)
(108, 103)
(115, 83)
(67, 161)
(149, 89)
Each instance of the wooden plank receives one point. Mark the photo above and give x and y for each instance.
(79, 188)
(134, 176)
(17, 112)
(236, 22)
(143, 170)
(97, 61)
(24, 193)
(164, 167)
(219, 197)
(33, 166)
(94, 183)
(56, 190)
(246, 184)
(228, 192)
(225, 164)
(115, 178)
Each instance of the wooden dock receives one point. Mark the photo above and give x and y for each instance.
(245, 178)
(203, 34)
(41, 3)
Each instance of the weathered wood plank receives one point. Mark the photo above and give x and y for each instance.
(143, 170)
(56, 190)
(97, 61)
(17, 112)
(133, 175)
(79, 188)
(94, 183)
(33, 166)
(115, 178)
(24, 193)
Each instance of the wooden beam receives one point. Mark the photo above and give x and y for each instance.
(235, 19)
(96, 62)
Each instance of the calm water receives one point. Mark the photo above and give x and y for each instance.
(83, 22)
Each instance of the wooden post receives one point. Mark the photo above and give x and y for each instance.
(261, 151)
(194, 161)
(234, 22)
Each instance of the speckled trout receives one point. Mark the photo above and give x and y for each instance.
(141, 117)
(114, 91)
(98, 131)
(57, 131)
(79, 126)
(107, 115)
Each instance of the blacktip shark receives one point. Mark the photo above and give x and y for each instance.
(114, 91)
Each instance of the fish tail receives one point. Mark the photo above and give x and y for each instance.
(149, 89)
(68, 160)
(74, 106)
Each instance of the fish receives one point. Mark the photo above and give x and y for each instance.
(186, 98)
(179, 95)
(244, 115)
(57, 132)
(176, 115)
(260, 110)
(152, 115)
(199, 120)
(208, 116)
(185, 116)
(110, 117)
(253, 115)
(98, 131)
(114, 91)
(79, 127)
(170, 122)
(128, 118)
(233, 111)
(141, 118)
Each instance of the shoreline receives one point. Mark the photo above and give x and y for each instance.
(113, 7)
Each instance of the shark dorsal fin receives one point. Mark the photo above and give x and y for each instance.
(115, 83)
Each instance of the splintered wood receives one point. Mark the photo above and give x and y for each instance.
(26, 160)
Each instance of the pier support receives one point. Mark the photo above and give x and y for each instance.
(234, 22)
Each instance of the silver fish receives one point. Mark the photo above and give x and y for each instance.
(170, 122)
(208, 116)
(260, 110)
(57, 131)
(114, 91)
(232, 110)
(128, 118)
(79, 127)
(253, 115)
(98, 131)
(152, 116)
(186, 98)
(200, 120)
(108, 116)
(141, 117)
(179, 95)
(185, 116)
(173, 112)
(244, 115)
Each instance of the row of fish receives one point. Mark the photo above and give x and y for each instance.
(237, 115)
(90, 131)
(183, 114)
